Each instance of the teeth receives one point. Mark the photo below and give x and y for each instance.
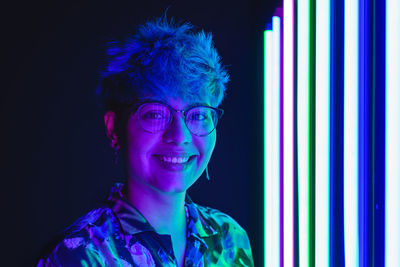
(174, 159)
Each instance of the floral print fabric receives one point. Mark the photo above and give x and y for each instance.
(116, 234)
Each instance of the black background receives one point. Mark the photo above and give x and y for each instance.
(56, 163)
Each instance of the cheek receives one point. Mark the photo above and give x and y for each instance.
(206, 146)
(139, 143)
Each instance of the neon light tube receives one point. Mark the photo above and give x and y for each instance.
(268, 152)
(322, 108)
(288, 133)
(276, 86)
(272, 141)
(392, 212)
(350, 166)
(303, 128)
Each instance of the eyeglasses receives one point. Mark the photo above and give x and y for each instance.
(200, 120)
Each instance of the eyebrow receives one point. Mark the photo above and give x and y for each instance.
(198, 104)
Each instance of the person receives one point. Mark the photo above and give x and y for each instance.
(160, 90)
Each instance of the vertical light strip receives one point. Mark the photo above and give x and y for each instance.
(303, 128)
(392, 212)
(276, 87)
(288, 133)
(350, 176)
(322, 116)
(272, 141)
(268, 152)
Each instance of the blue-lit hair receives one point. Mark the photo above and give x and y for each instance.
(163, 59)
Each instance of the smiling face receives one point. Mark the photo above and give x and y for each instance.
(169, 161)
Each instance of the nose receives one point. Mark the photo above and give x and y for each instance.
(177, 132)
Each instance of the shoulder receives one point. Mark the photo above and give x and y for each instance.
(220, 221)
(230, 243)
(81, 240)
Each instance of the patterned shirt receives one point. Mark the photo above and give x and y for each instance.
(117, 234)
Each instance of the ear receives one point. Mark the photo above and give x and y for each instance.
(110, 124)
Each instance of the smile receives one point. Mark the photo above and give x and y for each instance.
(174, 159)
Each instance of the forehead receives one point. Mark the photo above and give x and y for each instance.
(180, 103)
(185, 93)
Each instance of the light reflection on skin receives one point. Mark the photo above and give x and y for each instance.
(156, 190)
(144, 169)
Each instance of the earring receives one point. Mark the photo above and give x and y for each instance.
(115, 146)
(207, 176)
(115, 158)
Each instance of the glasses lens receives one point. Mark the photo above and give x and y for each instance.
(154, 117)
(201, 121)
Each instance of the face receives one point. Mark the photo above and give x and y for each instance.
(152, 159)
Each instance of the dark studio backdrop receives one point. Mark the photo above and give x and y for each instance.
(56, 162)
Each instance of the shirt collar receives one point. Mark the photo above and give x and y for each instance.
(197, 224)
(133, 222)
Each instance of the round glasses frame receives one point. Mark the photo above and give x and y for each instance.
(184, 112)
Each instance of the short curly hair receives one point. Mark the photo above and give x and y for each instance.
(163, 59)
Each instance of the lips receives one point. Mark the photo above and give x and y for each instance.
(175, 159)
(175, 162)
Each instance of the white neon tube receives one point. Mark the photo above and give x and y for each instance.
(322, 118)
(392, 212)
(268, 155)
(351, 237)
(303, 84)
(276, 132)
(271, 149)
(288, 142)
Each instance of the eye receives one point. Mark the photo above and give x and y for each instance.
(198, 116)
(153, 115)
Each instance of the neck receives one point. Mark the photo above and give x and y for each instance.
(164, 211)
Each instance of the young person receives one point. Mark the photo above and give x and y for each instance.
(161, 90)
